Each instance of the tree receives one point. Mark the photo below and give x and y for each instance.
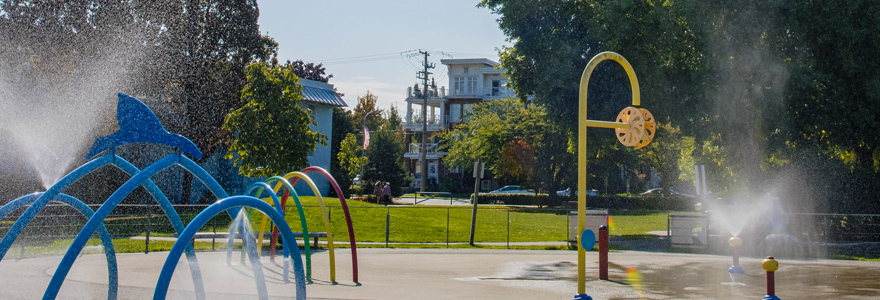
(518, 161)
(665, 152)
(343, 126)
(367, 104)
(350, 162)
(385, 163)
(273, 134)
(491, 126)
(310, 71)
(394, 119)
(213, 43)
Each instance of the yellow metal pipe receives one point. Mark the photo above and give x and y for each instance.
(582, 147)
(324, 215)
(607, 124)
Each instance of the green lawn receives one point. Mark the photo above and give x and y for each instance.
(428, 224)
(410, 226)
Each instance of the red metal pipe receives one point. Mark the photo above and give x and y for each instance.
(603, 252)
(771, 284)
(736, 256)
(354, 265)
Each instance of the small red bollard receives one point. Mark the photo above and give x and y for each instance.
(770, 265)
(603, 252)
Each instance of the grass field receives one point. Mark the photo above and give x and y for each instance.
(409, 226)
(439, 224)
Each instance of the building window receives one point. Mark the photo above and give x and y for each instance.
(496, 86)
(465, 85)
(465, 70)
(466, 110)
(455, 113)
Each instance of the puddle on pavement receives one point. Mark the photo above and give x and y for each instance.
(710, 280)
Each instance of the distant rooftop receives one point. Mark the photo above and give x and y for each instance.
(462, 61)
(319, 92)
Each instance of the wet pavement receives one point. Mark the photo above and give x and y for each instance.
(460, 274)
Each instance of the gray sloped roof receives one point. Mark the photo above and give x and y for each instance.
(319, 92)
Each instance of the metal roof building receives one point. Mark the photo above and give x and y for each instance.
(319, 92)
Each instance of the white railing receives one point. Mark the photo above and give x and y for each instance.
(497, 92)
(417, 147)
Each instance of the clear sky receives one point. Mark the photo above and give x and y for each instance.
(365, 44)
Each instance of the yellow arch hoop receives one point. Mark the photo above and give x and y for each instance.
(583, 123)
(324, 214)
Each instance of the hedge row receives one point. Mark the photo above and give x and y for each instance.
(652, 202)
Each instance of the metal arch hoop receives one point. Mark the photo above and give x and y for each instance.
(582, 144)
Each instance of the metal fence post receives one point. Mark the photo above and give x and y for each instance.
(447, 227)
(149, 224)
(825, 229)
(508, 228)
(568, 227)
(213, 237)
(387, 224)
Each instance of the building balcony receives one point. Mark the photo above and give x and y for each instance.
(488, 93)
(414, 151)
(418, 125)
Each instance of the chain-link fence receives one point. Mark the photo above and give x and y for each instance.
(433, 226)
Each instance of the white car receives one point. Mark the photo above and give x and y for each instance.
(511, 189)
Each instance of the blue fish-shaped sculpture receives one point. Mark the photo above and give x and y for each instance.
(138, 124)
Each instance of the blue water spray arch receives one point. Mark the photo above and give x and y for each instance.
(138, 124)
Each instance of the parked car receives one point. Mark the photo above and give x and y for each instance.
(654, 191)
(566, 192)
(661, 191)
(511, 189)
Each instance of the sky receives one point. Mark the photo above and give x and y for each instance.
(373, 45)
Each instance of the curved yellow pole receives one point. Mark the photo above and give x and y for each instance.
(324, 214)
(582, 146)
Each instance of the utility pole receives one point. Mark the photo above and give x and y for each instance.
(424, 147)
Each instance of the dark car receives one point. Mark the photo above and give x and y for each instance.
(566, 192)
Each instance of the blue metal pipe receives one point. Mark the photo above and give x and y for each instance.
(202, 218)
(93, 223)
(41, 202)
(109, 252)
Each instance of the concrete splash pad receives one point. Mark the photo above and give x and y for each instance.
(458, 274)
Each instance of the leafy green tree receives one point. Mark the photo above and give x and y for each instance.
(394, 119)
(366, 107)
(273, 134)
(385, 163)
(664, 154)
(491, 126)
(342, 127)
(349, 157)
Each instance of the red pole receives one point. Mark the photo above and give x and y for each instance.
(736, 256)
(603, 252)
(770, 265)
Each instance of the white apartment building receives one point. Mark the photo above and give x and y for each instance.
(471, 80)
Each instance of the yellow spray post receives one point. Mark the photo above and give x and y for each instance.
(634, 127)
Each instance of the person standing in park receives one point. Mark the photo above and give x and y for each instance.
(377, 191)
(386, 192)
